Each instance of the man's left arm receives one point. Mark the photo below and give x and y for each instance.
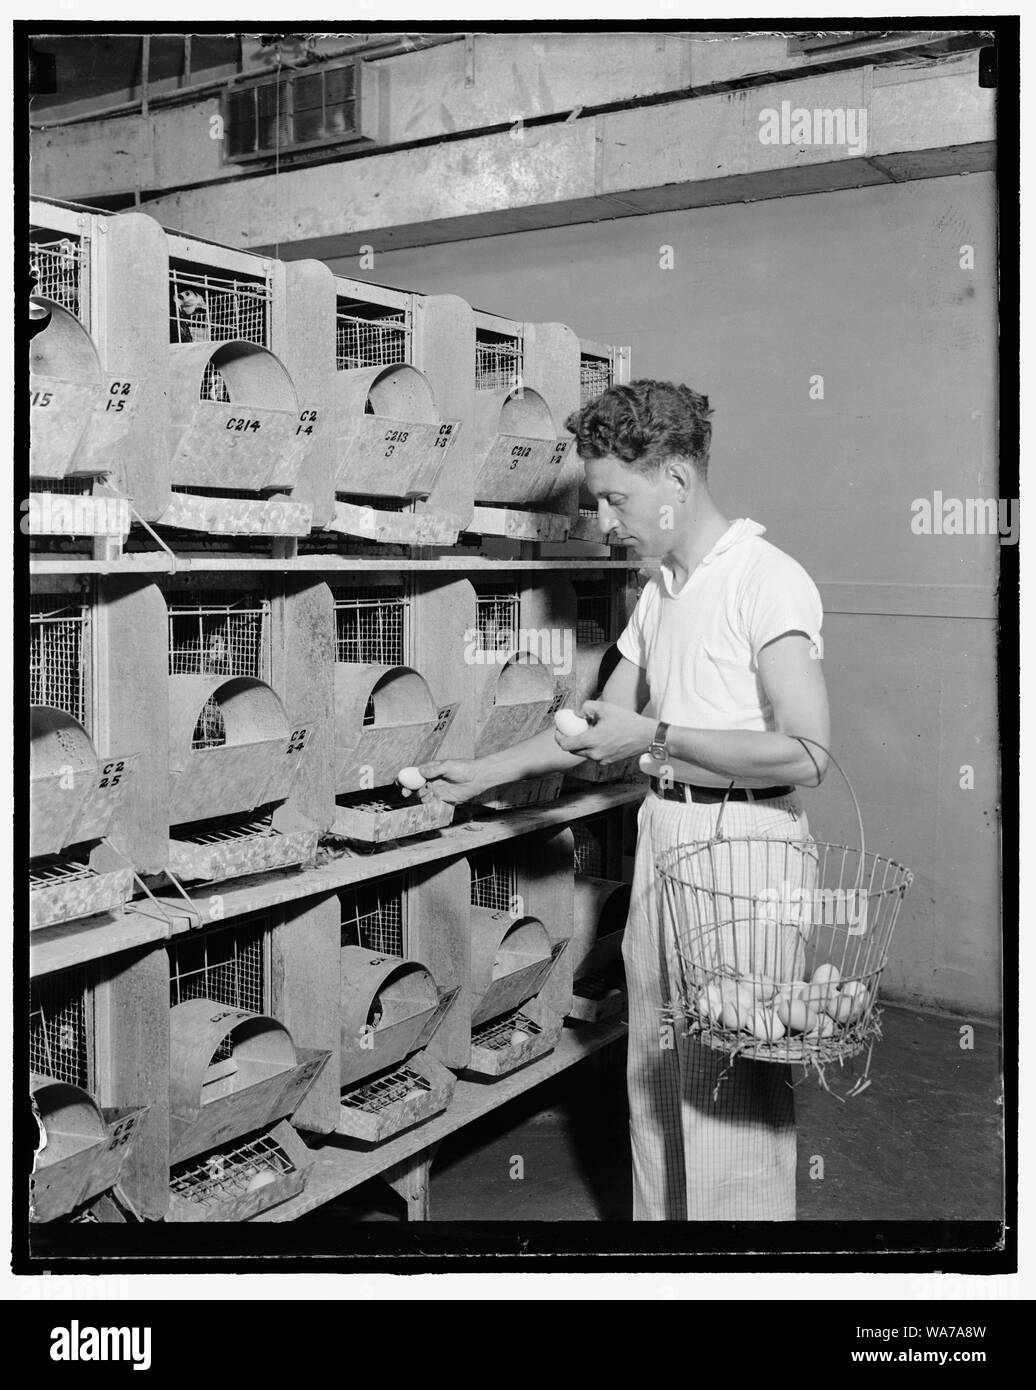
(793, 680)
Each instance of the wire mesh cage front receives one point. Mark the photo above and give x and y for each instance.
(494, 878)
(595, 376)
(372, 625)
(219, 633)
(496, 617)
(213, 308)
(59, 628)
(383, 1091)
(594, 608)
(227, 965)
(369, 335)
(61, 266)
(60, 1041)
(591, 846)
(374, 916)
(498, 361)
(780, 944)
(230, 1171)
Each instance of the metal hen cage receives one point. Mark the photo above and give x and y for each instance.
(60, 1027)
(498, 360)
(372, 625)
(496, 616)
(370, 335)
(594, 611)
(220, 633)
(374, 916)
(61, 266)
(59, 646)
(206, 306)
(494, 878)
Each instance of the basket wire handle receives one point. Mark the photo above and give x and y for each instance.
(801, 738)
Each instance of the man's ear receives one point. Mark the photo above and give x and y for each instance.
(680, 472)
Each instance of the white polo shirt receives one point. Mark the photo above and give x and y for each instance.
(700, 647)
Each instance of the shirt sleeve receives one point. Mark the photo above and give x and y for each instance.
(780, 597)
(632, 642)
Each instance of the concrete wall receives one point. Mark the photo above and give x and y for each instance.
(863, 287)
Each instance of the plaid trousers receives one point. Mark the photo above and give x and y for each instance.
(696, 1158)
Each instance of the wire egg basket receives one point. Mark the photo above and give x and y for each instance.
(781, 943)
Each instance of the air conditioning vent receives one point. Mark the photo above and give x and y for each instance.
(300, 110)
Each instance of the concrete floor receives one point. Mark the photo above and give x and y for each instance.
(922, 1143)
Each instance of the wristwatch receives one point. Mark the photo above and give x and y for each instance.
(657, 747)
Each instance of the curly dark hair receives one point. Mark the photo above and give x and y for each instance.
(643, 424)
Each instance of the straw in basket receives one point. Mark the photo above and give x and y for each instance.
(781, 943)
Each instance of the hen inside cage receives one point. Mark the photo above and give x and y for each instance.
(60, 267)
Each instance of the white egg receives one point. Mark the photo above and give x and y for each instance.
(518, 1038)
(816, 996)
(567, 722)
(825, 975)
(737, 1013)
(410, 778)
(261, 1180)
(823, 1028)
(762, 986)
(766, 1026)
(841, 1007)
(797, 1015)
(709, 1002)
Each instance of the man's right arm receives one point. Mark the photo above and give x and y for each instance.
(456, 780)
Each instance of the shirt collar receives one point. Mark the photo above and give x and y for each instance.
(740, 530)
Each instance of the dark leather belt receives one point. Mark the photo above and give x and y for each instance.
(684, 791)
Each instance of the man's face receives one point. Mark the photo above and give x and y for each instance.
(637, 507)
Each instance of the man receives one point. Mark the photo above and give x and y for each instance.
(724, 645)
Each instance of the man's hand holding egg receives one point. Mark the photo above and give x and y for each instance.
(612, 733)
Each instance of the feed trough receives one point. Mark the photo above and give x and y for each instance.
(79, 413)
(237, 1180)
(385, 719)
(231, 1072)
(234, 427)
(511, 959)
(74, 796)
(519, 462)
(515, 700)
(232, 749)
(82, 1147)
(391, 1009)
(391, 441)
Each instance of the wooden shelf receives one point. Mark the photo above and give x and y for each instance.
(338, 1167)
(73, 943)
(91, 938)
(158, 562)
